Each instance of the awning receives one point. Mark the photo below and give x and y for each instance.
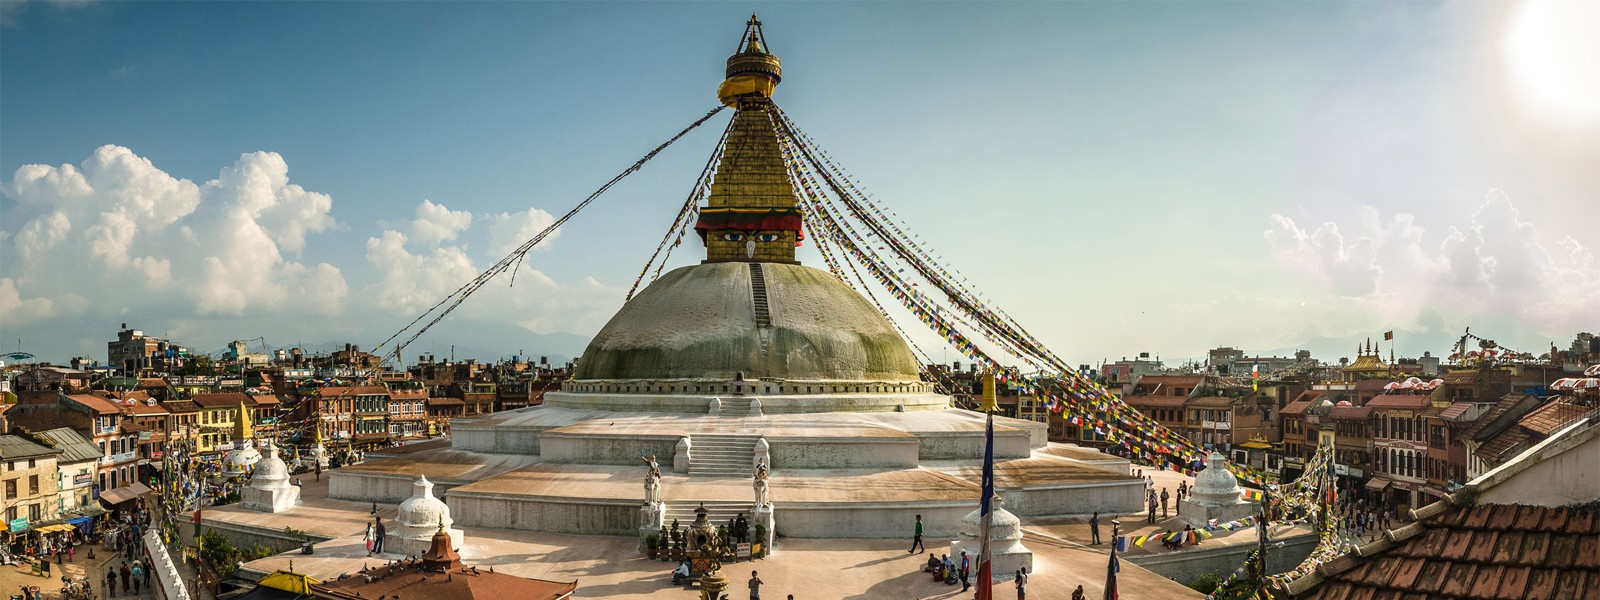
(124, 493)
(1378, 484)
(54, 528)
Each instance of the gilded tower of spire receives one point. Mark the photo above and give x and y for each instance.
(752, 214)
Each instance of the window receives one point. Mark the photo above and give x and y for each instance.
(33, 485)
(33, 463)
(33, 512)
(11, 489)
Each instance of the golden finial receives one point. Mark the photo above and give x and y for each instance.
(990, 402)
(752, 71)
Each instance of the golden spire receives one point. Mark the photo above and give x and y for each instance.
(752, 214)
(241, 426)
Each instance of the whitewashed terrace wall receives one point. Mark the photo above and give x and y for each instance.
(843, 453)
(585, 449)
(554, 515)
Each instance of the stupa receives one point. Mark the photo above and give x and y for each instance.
(420, 517)
(747, 358)
(1215, 495)
(269, 489)
(1005, 541)
(244, 454)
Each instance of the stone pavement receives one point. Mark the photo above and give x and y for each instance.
(608, 567)
(14, 576)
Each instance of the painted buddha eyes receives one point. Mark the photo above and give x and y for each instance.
(739, 237)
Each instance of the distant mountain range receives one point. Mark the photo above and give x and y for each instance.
(482, 341)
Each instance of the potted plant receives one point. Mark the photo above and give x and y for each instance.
(652, 546)
(676, 540)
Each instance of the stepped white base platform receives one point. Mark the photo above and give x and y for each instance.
(834, 475)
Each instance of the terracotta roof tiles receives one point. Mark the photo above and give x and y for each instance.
(1482, 551)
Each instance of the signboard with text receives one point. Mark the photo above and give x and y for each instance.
(19, 524)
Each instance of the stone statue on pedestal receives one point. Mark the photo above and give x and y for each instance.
(761, 484)
(652, 481)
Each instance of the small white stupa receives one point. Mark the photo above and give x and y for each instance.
(244, 453)
(1215, 495)
(270, 490)
(1006, 552)
(421, 516)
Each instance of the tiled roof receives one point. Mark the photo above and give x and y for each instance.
(96, 403)
(221, 399)
(1157, 401)
(1297, 407)
(1212, 402)
(1550, 417)
(180, 406)
(1506, 403)
(142, 409)
(1499, 446)
(1401, 401)
(1455, 411)
(351, 392)
(1475, 551)
(1350, 413)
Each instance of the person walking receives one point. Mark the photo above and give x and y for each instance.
(1022, 584)
(368, 537)
(377, 542)
(1152, 517)
(111, 581)
(147, 577)
(1164, 497)
(755, 586)
(916, 537)
(319, 471)
(1094, 528)
(138, 577)
(125, 575)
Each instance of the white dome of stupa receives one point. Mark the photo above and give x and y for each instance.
(1003, 527)
(422, 510)
(1216, 483)
(241, 458)
(271, 469)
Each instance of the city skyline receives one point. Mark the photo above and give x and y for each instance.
(1121, 178)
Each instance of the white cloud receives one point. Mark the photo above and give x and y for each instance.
(128, 237)
(508, 231)
(1496, 267)
(435, 223)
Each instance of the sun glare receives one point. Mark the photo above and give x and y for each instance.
(1552, 54)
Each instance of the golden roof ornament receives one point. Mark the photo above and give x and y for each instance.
(752, 72)
(991, 402)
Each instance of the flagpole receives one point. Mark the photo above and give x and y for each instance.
(1111, 565)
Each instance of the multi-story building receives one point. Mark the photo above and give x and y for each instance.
(352, 414)
(28, 482)
(132, 351)
(76, 467)
(99, 419)
(408, 412)
(1162, 398)
(219, 414)
(52, 378)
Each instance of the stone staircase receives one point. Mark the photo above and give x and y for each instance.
(734, 406)
(722, 454)
(758, 295)
(718, 511)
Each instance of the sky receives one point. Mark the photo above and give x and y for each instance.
(1120, 177)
